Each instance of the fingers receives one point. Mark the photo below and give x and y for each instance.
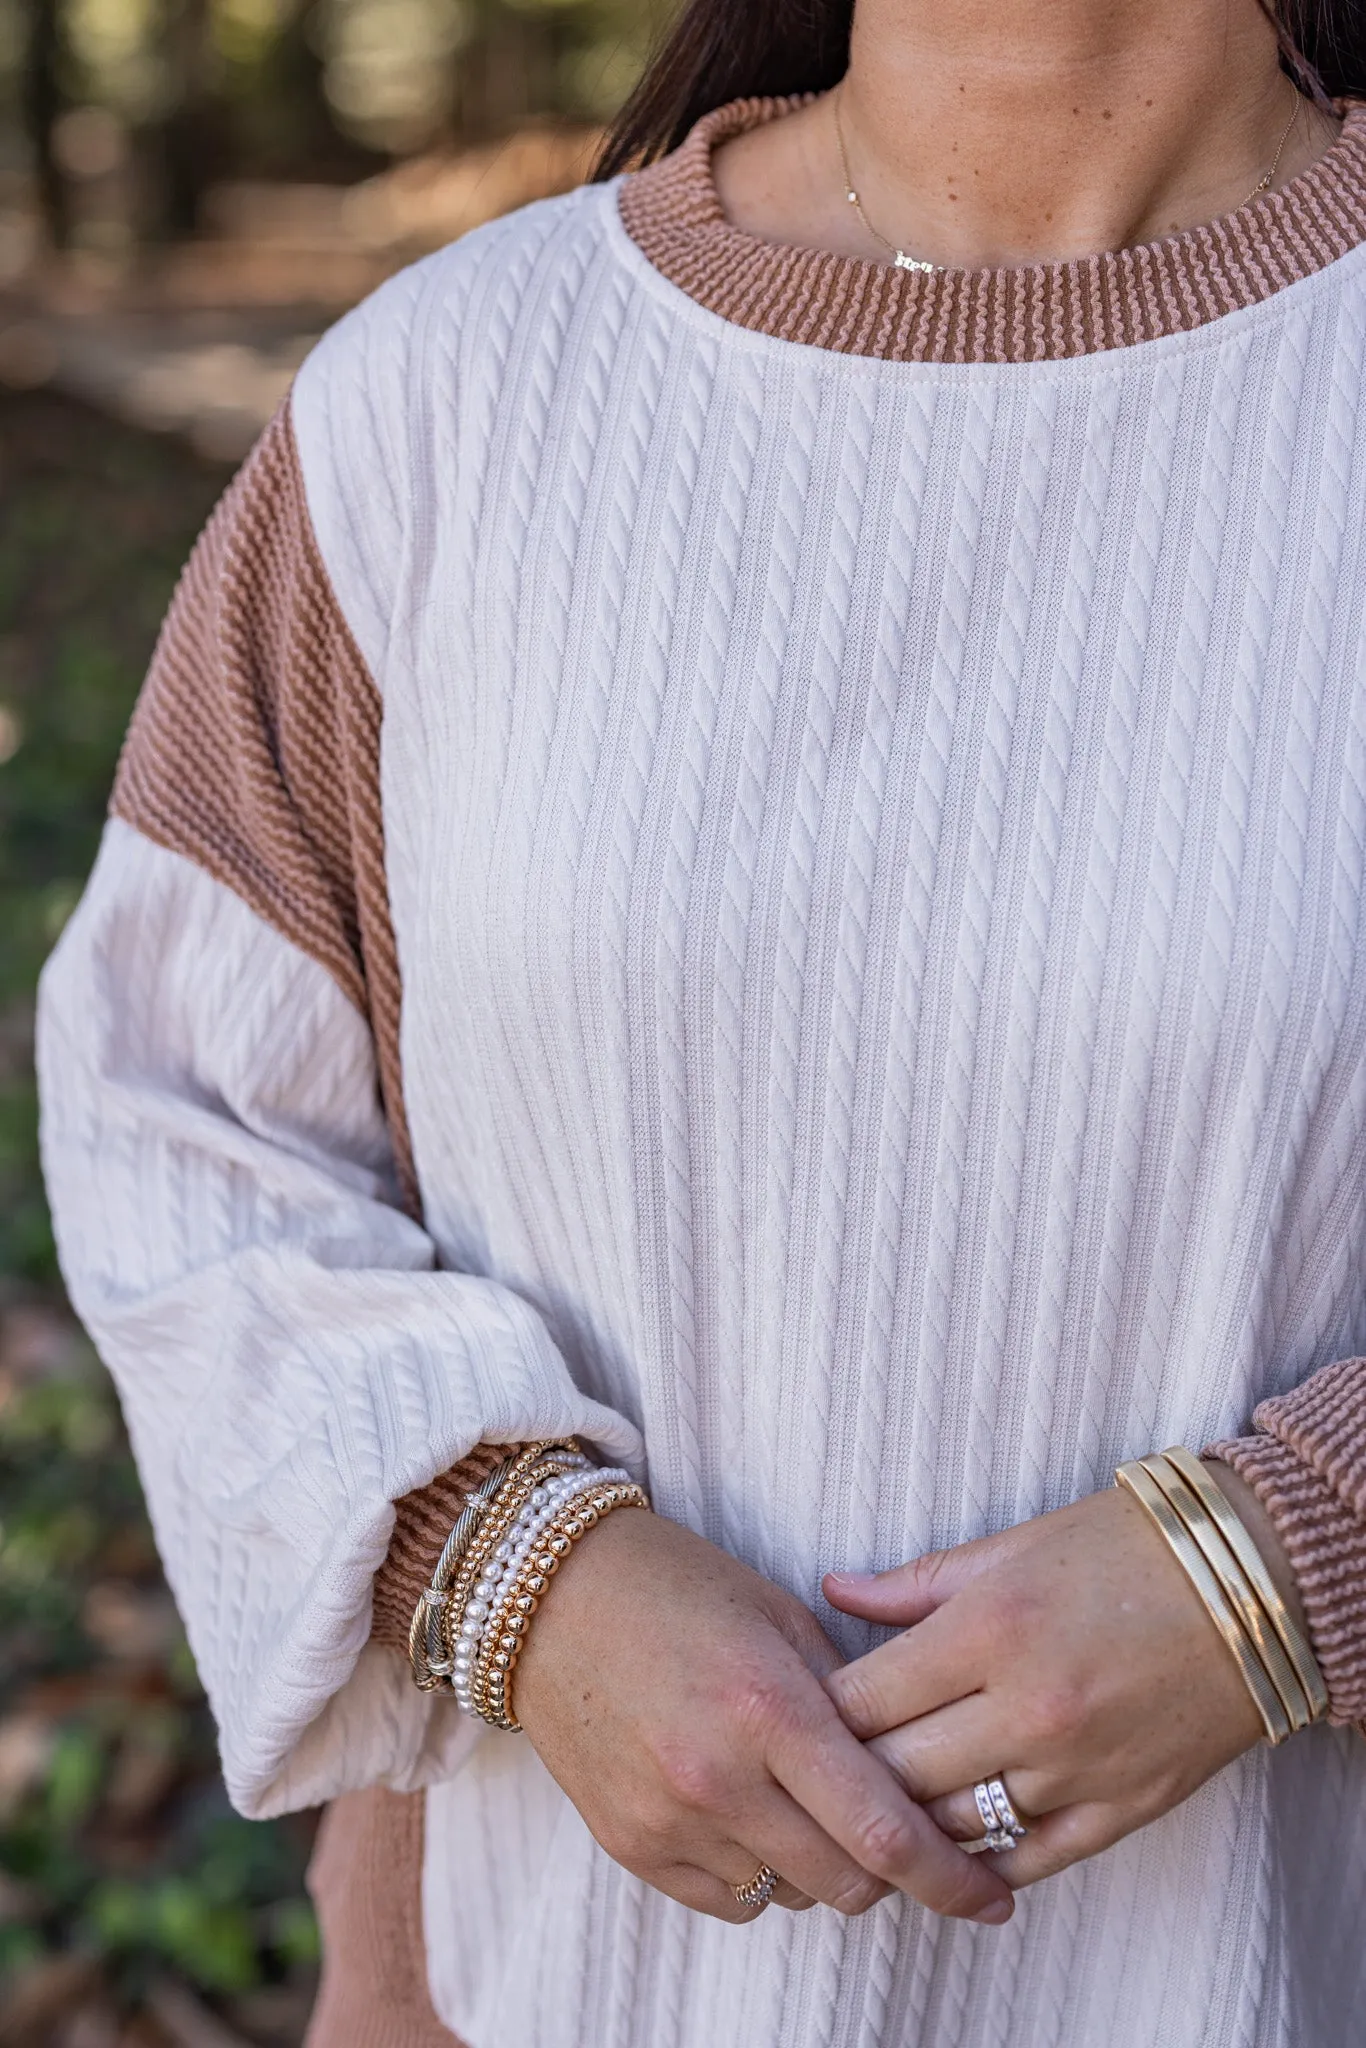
(910, 1592)
(954, 1747)
(854, 1797)
(776, 1831)
(1068, 1835)
(791, 1899)
(941, 1660)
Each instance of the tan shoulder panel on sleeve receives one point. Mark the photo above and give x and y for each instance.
(254, 748)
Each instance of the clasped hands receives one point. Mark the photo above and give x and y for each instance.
(703, 1723)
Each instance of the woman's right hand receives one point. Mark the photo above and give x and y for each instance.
(675, 1696)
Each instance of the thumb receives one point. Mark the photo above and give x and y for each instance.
(909, 1592)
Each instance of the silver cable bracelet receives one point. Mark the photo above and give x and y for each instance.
(431, 1667)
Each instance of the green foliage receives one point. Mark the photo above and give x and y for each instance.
(115, 1836)
(116, 1841)
(95, 521)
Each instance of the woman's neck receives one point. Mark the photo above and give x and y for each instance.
(993, 132)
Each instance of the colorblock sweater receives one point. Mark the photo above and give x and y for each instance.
(762, 859)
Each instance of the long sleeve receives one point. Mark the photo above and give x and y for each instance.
(235, 1197)
(1306, 1462)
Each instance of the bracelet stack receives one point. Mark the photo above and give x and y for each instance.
(426, 1634)
(471, 1622)
(1227, 1570)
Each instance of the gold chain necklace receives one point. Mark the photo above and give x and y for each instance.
(1265, 184)
(900, 259)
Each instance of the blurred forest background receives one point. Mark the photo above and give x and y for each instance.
(190, 190)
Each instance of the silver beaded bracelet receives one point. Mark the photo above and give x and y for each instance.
(432, 1667)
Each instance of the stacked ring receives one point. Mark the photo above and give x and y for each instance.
(1004, 1828)
(758, 1890)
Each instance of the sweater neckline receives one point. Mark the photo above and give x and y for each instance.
(1036, 313)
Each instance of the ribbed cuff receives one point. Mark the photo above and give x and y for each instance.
(424, 1521)
(1307, 1466)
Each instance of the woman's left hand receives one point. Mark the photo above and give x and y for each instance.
(1069, 1656)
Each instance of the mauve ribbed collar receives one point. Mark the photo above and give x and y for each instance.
(1042, 311)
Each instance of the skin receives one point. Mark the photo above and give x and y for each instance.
(699, 1717)
(676, 1696)
(1070, 1654)
(1015, 131)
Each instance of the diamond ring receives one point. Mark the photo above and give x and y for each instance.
(759, 1889)
(1004, 1828)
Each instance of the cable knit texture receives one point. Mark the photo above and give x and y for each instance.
(876, 853)
(254, 749)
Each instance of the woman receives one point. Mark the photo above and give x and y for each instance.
(746, 845)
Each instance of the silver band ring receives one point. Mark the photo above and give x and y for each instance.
(1004, 1828)
(759, 1889)
(1005, 1812)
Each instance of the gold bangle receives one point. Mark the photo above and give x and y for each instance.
(1239, 1540)
(1226, 1568)
(1139, 1482)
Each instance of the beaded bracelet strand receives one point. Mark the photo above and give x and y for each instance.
(470, 1624)
(479, 1528)
(495, 1533)
(564, 1532)
(506, 1620)
(488, 1613)
(430, 1666)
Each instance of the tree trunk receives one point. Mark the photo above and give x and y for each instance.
(43, 100)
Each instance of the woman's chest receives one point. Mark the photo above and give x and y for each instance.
(931, 839)
(1037, 711)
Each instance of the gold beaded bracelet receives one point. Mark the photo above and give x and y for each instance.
(503, 1619)
(518, 1596)
(548, 1464)
(1223, 1564)
(493, 1679)
(429, 1660)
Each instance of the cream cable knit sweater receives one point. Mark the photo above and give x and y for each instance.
(873, 855)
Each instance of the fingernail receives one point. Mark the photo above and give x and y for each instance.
(996, 1914)
(852, 1578)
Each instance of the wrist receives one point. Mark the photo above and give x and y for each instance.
(500, 1560)
(1218, 1552)
(592, 1580)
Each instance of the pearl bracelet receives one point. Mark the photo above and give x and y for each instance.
(484, 1521)
(470, 1623)
(491, 1686)
(488, 1615)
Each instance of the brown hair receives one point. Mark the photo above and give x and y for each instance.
(720, 50)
